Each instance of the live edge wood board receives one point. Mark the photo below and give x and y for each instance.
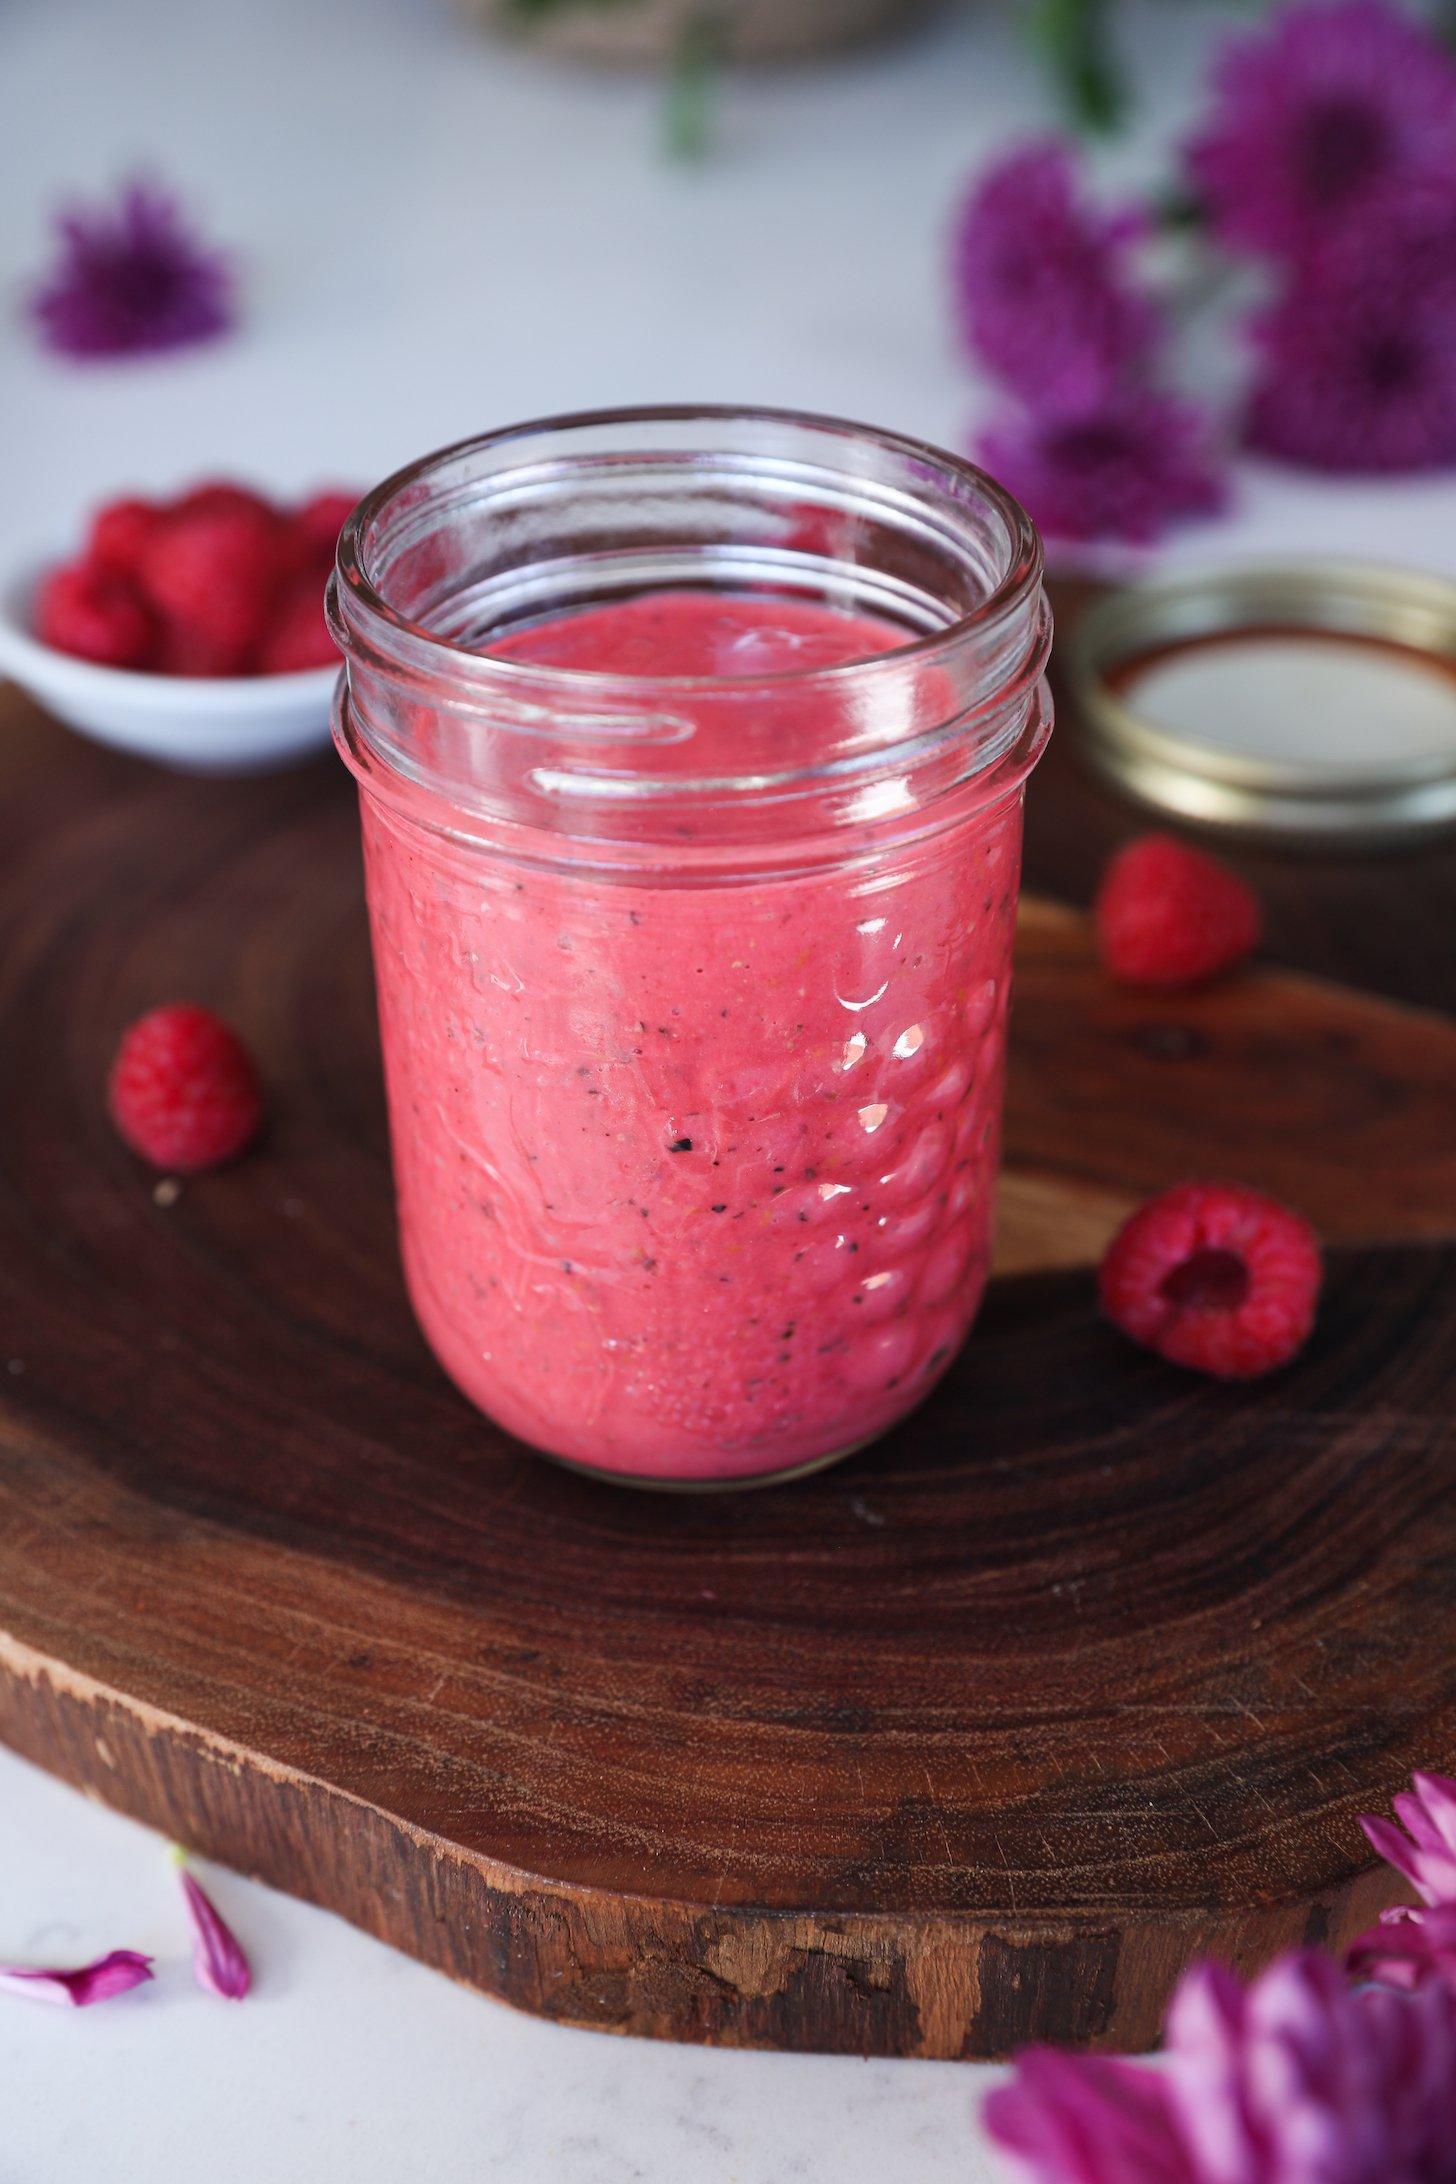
(977, 1738)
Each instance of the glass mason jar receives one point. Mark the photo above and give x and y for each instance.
(693, 988)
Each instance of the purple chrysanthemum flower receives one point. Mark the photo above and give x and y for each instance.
(1124, 471)
(1295, 2079)
(1042, 290)
(132, 278)
(1357, 360)
(1319, 117)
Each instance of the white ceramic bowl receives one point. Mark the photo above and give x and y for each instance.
(230, 724)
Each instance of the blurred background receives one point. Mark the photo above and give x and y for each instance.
(437, 219)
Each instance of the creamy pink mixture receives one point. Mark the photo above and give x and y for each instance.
(695, 1183)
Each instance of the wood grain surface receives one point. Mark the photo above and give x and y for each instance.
(974, 1739)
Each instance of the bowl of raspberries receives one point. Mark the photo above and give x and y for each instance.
(189, 631)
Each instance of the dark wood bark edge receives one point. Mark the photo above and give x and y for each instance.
(735, 1977)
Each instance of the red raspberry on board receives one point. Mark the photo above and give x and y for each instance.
(1214, 1276)
(298, 636)
(213, 573)
(1168, 915)
(96, 615)
(183, 1092)
(119, 533)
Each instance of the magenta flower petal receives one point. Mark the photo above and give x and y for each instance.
(109, 1975)
(1084, 2120)
(1397, 1850)
(1410, 2043)
(1436, 1795)
(1312, 2077)
(1125, 471)
(1295, 2079)
(218, 1962)
(1420, 1823)
(1317, 117)
(1426, 1853)
(131, 278)
(1044, 298)
(1407, 1948)
(1207, 2027)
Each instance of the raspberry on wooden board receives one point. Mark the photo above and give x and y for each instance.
(1216, 1277)
(1169, 915)
(183, 1092)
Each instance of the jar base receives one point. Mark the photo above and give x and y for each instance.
(652, 1485)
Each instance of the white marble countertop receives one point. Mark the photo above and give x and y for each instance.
(442, 236)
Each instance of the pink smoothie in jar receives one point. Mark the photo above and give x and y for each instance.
(694, 1115)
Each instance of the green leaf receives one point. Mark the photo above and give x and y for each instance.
(688, 113)
(1074, 36)
(535, 11)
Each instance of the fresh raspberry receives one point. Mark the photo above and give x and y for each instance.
(212, 573)
(321, 518)
(183, 1092)
(299, 636)
(119, 533)
(1170, 916)
(96, 615)
(1214, 1276)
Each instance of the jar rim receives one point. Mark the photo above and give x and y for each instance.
(1008, 595)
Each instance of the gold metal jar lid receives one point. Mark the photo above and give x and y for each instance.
(1312, 699)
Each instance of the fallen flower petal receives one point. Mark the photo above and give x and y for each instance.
(217, 1958)
(112, 1974)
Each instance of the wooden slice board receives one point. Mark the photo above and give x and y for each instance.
(977, 1738)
